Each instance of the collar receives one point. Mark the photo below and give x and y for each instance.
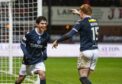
(86, 16)
(36, 29)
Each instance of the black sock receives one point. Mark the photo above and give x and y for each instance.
(42, 81)
(17, 83)
(84, 80)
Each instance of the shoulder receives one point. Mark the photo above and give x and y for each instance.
(29, 33)
(46, 34)
(87, 21)
(92, 19)
(78, 24)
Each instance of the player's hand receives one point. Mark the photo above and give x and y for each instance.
(75, 11)
(55, 44)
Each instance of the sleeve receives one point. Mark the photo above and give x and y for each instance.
(77, 26)
(45, 54)
(68, 35)
(49, 39)
(23, 45)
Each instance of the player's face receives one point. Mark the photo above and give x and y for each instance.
(42, 26)
(81, 14)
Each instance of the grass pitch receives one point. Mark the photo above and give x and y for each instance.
(64, 71)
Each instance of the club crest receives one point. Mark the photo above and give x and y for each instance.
(39, 41)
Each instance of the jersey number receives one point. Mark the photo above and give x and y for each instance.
(95, 33)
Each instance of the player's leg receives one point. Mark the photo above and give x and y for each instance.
(20, 79)
(84, 75)
(84, 66)
(87, 63)
(42, 76)
(22, 75)
(40, 70)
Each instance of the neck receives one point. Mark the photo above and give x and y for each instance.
(84, 16)
(38, 32)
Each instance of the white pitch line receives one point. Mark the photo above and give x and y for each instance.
(15, 76)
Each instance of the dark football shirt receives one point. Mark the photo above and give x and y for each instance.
(34, 46)
(88, 31)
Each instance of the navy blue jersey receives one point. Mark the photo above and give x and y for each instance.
(88, 31)
(34, 46)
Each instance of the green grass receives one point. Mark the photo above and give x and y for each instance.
(61, 71)
(64, 71)
(108, 71)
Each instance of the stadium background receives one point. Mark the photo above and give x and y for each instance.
(60, 21)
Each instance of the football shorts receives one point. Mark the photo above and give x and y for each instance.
(87, 59)
(30, 69)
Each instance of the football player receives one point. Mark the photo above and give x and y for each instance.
(87, 27)
(34, 47)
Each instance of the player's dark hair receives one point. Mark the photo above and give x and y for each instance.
(40, 18)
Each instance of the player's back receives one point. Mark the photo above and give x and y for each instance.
(88, 33)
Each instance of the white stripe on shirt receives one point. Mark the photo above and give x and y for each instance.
(75, 29)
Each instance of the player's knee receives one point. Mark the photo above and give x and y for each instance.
(16, 82)
(42, 75)
(84, 72)
(20, 79)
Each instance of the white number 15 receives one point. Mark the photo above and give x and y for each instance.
(95, 33)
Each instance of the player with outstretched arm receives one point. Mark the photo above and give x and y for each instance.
(87, 27)
(34, 47)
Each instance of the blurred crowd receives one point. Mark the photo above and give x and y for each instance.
(101, 3)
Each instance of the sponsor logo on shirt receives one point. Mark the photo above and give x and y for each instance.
(36, 45)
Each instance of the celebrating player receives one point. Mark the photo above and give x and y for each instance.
(87, 27)
(34, 46)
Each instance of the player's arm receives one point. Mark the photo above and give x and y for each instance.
(23, 47)
(44, 54)
(68, 35)
(72, 32)
(75, 11)
(44, 50)
(64, 37)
